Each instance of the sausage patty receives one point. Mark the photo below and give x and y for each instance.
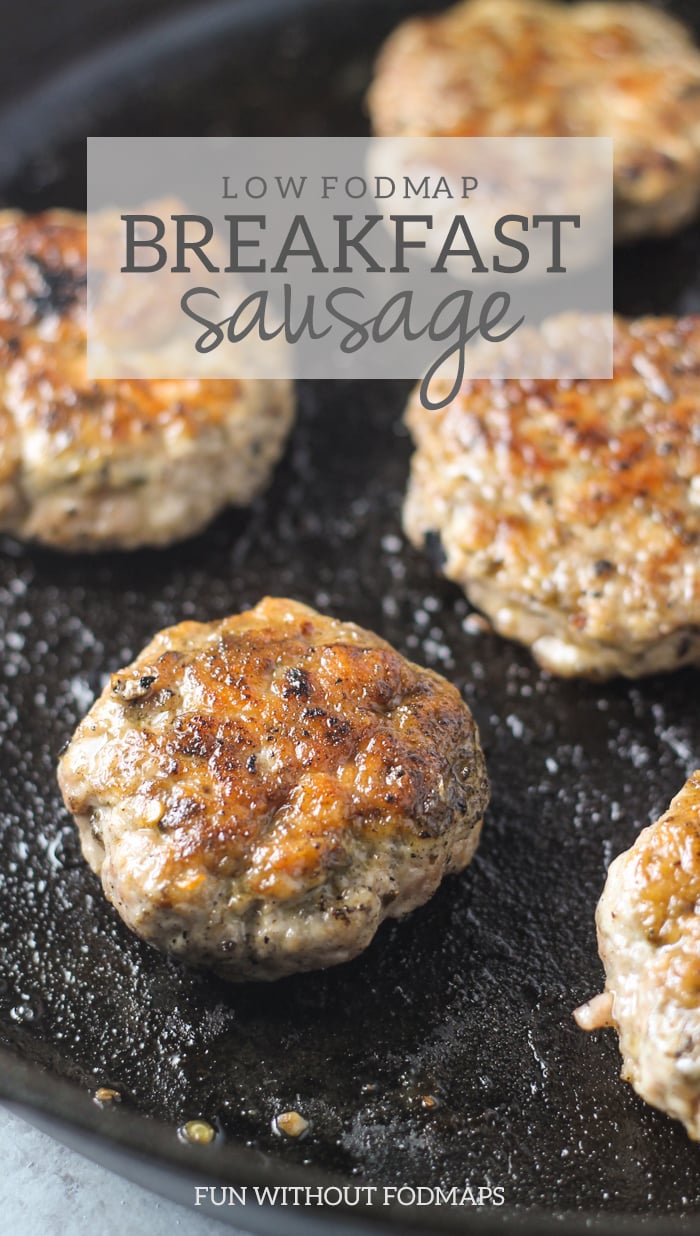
(495, 68)
(258, 793)
(569, 511)
(648, 922)
(89, 465)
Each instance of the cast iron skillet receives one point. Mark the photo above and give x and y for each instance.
(469, 1001)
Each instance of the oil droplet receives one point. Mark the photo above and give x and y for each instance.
(197, 1132)
(430, 1101)
(104, 1095)
(290, 1124)
(28, 1009)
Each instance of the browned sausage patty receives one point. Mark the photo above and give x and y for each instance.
(649, 938)
(505, 67)
(258, 793)
(88, 465)
(569, 511)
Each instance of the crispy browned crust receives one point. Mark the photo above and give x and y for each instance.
(43, 262)
(283, 754)
(666, 876)
(649, 940)
(504, 67)
(571, 509)
(279, 697)
(74, 451)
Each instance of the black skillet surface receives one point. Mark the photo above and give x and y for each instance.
(469, 1000)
